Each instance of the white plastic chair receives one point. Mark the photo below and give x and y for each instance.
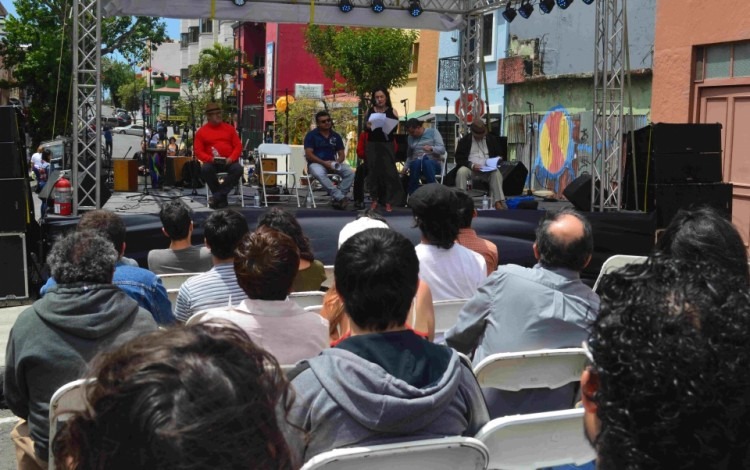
(276, 150)
(195, 318)
(67, 400)
(446, 313)
(314, 309)
(538, 440)
(616, 262)
(543, 368)
(174, 281)
(447, 453)
(308, 298)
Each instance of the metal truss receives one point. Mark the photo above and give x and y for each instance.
(470, 76)
(87, 105)
(609, 79)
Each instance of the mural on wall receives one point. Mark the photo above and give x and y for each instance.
(556, 150)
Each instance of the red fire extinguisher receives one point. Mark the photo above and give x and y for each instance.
(62, 194)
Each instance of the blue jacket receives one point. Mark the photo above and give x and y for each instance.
(141, 285)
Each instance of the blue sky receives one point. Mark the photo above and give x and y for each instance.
(173, 26)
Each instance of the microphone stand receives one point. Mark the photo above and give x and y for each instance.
(532, 162)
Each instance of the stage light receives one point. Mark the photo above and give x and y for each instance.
(564, 3)
(345, 6)
(526, 9)
(588, 2)
(377, 6)
(415, 8)
(546, 6)
(239, 3)
(510, 13)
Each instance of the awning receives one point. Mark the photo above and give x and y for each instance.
(423, 116)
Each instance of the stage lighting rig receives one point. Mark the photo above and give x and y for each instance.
(526, 9)
(345, 6)
(546, 6)
(510, 13)
(563, 4)
(588, 2)
(377, 6)
(415, 8)
(239, 3)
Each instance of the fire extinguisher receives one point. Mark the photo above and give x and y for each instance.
(62, 194)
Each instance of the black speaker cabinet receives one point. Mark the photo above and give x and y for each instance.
(665, 138)
(514, 177)
(13, 269)
(14, 205)
(8, 124)
(578, 192)
(667, 199)
(11, 166)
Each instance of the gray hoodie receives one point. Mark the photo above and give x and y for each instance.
(344, 400)
(53, 340)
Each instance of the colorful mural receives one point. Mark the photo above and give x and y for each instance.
(555, 155)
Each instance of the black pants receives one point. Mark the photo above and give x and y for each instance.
(359, 182)
(220, 191)
(382, 175)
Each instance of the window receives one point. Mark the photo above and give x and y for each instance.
(207, 26)
(184, 75)
(184, 40)
(259, 61)
(414, 58)
(730, 60)
(193, 34)
(488, 34)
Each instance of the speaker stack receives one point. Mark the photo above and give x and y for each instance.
(15, 209)
(677, 166)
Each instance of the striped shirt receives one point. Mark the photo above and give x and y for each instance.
(215, 288)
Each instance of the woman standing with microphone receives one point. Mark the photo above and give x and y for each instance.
(383, 180)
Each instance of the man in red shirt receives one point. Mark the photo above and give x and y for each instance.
(218, 148)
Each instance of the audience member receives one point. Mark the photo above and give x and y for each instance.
(467, 236)
(202, 397)
(452, 271)
(266, 263)
(324, 151)
(421, 318)
(181, 256)
(140, 284)
(52, 341)
(522, 309)
(218, 287)
(312, 273)
(705, 234)
(669, 377)
(384, 383)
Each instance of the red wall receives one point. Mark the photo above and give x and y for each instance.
(252, 42)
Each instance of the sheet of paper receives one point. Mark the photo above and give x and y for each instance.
(490, 165)
(389, 125)
(377, 120)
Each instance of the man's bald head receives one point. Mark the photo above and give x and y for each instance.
(564, 240)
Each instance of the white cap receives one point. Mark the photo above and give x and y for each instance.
(359, 225)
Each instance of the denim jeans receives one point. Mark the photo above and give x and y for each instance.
(320, 173)
(426, 167)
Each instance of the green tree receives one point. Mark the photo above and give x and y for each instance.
(129, 94)
(214, 64)
(364, 57)
(114, 75)
(37, 47)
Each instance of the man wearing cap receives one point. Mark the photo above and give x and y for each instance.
(218, 148)
(324, 151)
(451, 270)
(472, 153)
(424, 155)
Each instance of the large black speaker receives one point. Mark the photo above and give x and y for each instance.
(13, 271)
(667, 199)
(578, 192)
(14, 205)
(665, 138)
(514, 177)
(8, 124)
(11, 166)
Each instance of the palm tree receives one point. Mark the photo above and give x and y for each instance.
(214, 64)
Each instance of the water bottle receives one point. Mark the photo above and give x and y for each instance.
(468, 184)
(308, 200)
(485, 203)
(256, 200)
(215, 152)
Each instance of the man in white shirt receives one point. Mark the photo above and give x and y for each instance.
(449, 269)
(472, 153)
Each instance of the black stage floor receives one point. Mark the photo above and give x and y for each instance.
(512, 230)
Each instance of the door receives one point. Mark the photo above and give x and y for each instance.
(730, 106)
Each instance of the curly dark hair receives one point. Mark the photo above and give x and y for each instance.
(704, 233)
(672, 361)
(285, 222)
(199, 397)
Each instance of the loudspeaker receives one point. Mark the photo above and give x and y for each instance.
(11, 165)
(126, 175)
(14, 283)
(87, 182)
(14, 205)
(269, 164)
(667, 199)
(174, 170)
(514, 177)
(664, 138)
(9, 124)
(578, 192)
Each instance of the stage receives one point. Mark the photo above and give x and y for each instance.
(511, 230)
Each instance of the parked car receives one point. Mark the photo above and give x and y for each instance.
(124, 119)
(132, 129)
(119, 111)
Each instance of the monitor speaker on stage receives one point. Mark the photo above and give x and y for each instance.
(667, 199)
(13, 268)
(11, 166)
(14, 205)
(9, 124)
(578, 192)
(514, 177)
